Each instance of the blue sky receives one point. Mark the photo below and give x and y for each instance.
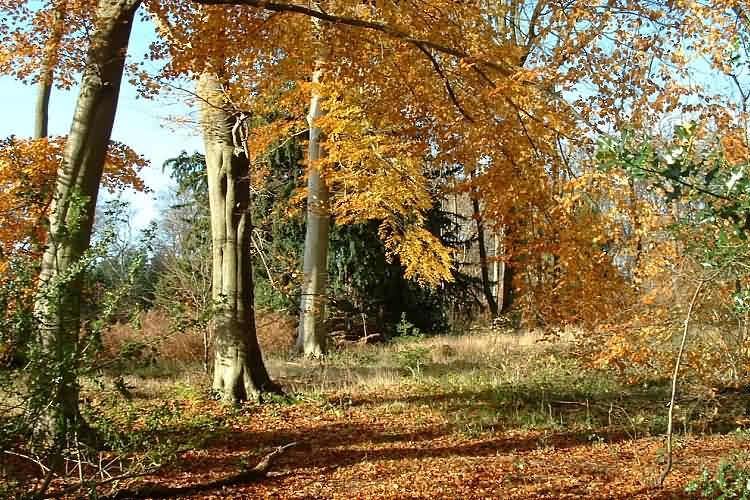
(139, 124)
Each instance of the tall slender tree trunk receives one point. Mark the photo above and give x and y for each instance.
(496, 274)
(44, 88)
(239, 371)
(312, 337)
(505, 282)
(49, 61)
(41, 112)
(73, 207)
(484, 267)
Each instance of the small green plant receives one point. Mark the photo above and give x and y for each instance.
(732, 480)
(406, 330)
(47, 357)
(413, 358)
(741, 434)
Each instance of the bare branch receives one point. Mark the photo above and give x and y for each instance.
(257, 473)
(678, 362)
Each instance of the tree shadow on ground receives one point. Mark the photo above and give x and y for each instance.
(537, 407)
(344, 444)
(325, 449)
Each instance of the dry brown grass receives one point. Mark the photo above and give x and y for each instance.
(481, 345)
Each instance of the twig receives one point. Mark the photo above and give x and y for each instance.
(683, 342)
(263, 259)
(363, 340)
(94, 484)
(257, 473)
(44, 468)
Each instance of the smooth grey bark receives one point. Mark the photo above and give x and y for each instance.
(46, 78)
(239, 371)
(73, 206)
(312, 337)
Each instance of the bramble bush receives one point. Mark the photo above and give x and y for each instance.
(32, 372)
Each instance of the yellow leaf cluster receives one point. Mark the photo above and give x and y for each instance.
(422, 255)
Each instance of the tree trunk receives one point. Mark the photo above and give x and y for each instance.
(486, 285)
(507, 287)
(41, 112)
(503, 274)
(46, 78)
(239, 371)
(311, 338)
(73, 207)
(496, 274)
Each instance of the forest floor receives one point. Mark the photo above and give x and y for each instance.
(466, 417)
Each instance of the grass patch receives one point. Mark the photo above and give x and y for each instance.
(490, 382)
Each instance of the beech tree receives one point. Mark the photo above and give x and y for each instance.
(239, 372)
(404, 240)
(311, 336)
(74, 202)
(68, 197)
(274, 33)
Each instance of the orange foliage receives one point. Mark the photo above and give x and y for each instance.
(514, 94)
(27, 173)
(396, 109)
(28, 38)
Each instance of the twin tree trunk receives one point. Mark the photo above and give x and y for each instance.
(239, 372)
(312, 337)
(73, 206)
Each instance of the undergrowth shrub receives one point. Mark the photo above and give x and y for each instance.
(35, 369)
(152, 340)
(276, 332)
(731, 481)
(693, 237)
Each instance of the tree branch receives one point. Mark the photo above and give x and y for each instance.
(678, 362)
(685, 183)
(448, 86)
(503, 68)
(257, 473)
